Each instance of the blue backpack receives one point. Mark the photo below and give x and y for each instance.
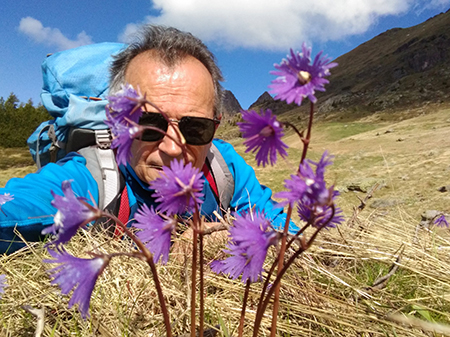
(74, 93)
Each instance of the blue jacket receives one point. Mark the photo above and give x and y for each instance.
(31, 210)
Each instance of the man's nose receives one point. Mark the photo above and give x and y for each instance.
(168, 145)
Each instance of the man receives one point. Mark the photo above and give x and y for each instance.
(179, 75)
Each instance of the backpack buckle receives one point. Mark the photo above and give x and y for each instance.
(103, 138)
(54, 147)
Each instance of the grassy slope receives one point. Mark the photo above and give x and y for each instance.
(327, 292)
(412, 161)
(16, 162)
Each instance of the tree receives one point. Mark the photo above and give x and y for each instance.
(19, 120)
(11, 102)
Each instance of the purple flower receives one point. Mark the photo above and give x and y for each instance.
(298, 78)
(123, 136)
(156, 232)
(122, 115)
(126, 105)
(4, 198)
(316, 190)
(319, 215)
(72, 214)
(308, 186)
(178, 188)
(308, 189)
(3, 284)
(251, 237)
(263, 135)
(78, 273)
(441, 221)
(295, 189)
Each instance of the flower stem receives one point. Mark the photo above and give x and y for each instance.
(308, 134)
(244, 305)
(300, 134)
(297, 235)
(193, 279)
(148, 257)
(285, 268)
(276, 300)
(195, 230)
(202, 295)
(264, 288)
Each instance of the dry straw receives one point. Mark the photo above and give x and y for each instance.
(336, 289)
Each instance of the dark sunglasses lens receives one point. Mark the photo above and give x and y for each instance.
(197, 130)
(155, 120)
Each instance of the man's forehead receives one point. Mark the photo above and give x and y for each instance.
(150, 68)
(166, 64)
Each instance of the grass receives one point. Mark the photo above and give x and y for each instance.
(334, 131)
(411, 163)
(14, 158)
(15, 162)
(327, 292)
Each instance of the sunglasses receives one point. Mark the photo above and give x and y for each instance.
(195, 130)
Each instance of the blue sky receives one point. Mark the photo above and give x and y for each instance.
(247, 36)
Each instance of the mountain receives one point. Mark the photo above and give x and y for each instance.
(265, 101)
(398, 69)
(230, 104)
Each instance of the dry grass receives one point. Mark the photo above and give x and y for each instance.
(328, 292)
(15, 162)
(411, 161)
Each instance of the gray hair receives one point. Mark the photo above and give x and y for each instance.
(172, 46)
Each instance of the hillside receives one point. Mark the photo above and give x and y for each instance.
(396, 70)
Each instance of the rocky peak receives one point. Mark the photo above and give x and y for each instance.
(262, 100)
(230, 105)
(265, 101)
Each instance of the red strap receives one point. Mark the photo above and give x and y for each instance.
(124, 208)
(210, 178)
(124, 212)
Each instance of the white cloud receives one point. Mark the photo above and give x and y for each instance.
(270, 24)
(128, 32)
(51, 36)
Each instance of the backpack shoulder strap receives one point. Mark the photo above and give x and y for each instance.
(103, 167)
(224, 178)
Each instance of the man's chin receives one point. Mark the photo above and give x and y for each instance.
(150, 174)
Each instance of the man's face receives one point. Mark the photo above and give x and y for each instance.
(184, 90)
